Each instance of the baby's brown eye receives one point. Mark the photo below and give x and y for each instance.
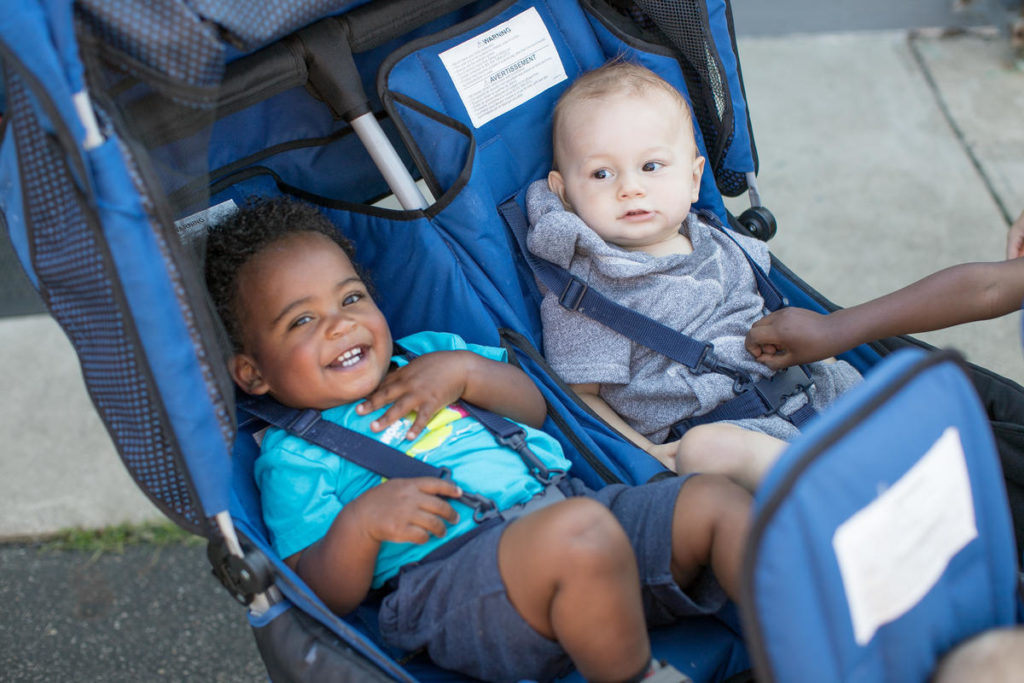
(352, 298)
(600, 174)
(652, 166)
(301, 320)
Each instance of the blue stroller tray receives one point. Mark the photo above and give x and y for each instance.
(130, 128)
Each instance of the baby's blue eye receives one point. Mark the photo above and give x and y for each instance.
(652, 166)
(600, 174)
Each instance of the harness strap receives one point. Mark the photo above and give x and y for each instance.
(753, 398)
(762, 398)
(390, 462)
(552, 493)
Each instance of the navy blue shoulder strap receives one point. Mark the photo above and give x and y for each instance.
(362, 450)
(752, 398)
(574, 294)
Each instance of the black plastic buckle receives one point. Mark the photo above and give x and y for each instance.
(483, 507)
(243, 577)
(572, 295)
(707, 361)
(517, 442)
(775, 390)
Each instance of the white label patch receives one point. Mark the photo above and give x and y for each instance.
(892, 551)
(198, 223)
(498, 70)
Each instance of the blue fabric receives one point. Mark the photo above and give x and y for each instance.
(801, 618)
(739, 157)
(304, 487)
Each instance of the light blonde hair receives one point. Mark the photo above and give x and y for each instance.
(614, 78)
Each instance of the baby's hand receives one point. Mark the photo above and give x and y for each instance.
(406, 510)
(1015, 239)
(426, 385)
(665, 453)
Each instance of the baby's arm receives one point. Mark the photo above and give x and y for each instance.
(339, 567)
(432, 381)
(666, 453)
(959, 294)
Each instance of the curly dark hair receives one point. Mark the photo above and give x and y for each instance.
(232, 242)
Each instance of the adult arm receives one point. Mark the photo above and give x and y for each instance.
(959, 294)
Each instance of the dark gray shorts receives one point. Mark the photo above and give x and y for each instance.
(457, 608)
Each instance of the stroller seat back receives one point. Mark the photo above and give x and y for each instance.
(876, 548)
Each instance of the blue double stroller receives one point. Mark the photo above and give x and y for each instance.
(886, 534)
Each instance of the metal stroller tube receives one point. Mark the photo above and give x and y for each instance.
(333, 74)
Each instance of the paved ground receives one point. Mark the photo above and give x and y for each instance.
(147, 614)
(884, 157)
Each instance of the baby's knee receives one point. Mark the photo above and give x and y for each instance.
(715, 495)
(587, 533)
(700, 448)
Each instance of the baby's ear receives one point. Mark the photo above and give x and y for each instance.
(698, 171)
(247, 375)
(556, 183)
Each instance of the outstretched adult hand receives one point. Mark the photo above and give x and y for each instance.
(791, 336)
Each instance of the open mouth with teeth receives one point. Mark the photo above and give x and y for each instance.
(349, 358)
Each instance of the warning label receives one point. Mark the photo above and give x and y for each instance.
(892, 551)
(496, 71)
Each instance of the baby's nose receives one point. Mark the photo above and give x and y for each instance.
(339, 324)
(630, 187)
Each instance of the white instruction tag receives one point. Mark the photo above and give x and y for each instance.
(892, 551)
(498, 70)
(196, 225)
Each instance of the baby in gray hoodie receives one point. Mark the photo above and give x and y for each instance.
(615, 212)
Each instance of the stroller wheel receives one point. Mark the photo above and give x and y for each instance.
(759, 222)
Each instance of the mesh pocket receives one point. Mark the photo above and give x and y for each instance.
(82, 293)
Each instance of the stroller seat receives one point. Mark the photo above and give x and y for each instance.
(127, 132)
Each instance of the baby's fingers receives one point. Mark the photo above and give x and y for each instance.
(423, 416)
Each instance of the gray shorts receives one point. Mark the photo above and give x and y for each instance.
(457, 608)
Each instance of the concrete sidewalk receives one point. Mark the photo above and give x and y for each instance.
(884, 158)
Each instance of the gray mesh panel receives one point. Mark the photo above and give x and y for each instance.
(78, 288)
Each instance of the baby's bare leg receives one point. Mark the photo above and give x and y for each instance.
(709, 529)
(570, 571)
(721, 448)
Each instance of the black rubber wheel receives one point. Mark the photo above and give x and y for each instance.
(759, 222)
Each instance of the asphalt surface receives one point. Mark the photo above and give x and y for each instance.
(149, 613)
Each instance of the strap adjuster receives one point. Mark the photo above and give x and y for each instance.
(741, 381)
(303, 421)
(517, 442)
(572, 296)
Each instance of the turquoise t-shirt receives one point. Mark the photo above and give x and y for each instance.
(303, 487)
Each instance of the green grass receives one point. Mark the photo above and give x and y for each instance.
(114, 539)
